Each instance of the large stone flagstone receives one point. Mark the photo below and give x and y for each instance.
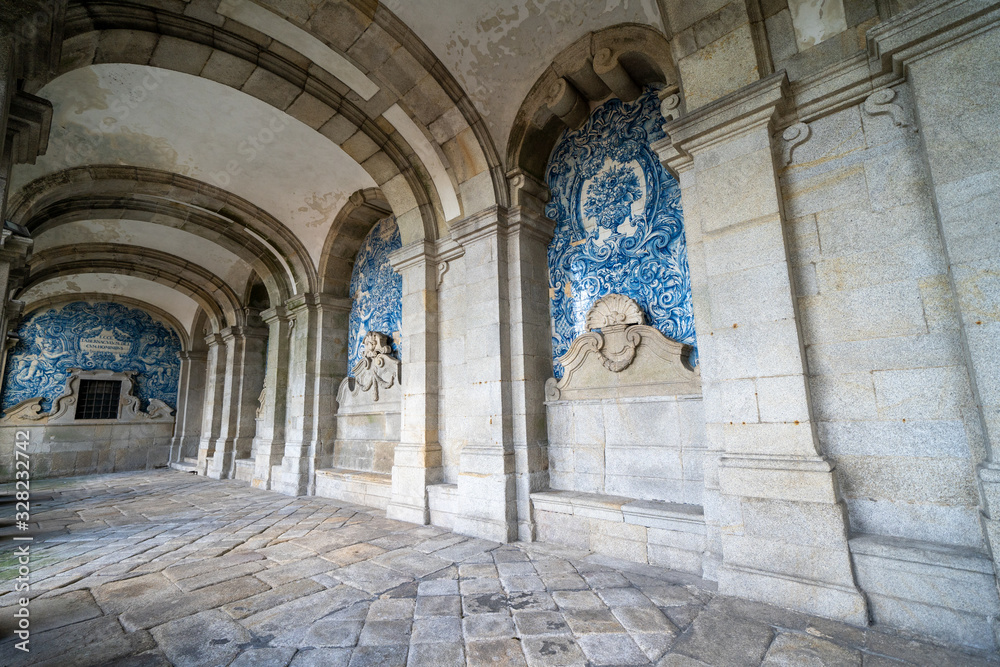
(165, 568)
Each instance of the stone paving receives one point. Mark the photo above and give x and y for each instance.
(165, 568)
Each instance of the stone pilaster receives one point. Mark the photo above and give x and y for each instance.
(417, 457)
(251, 380)
(529, 233)
(486, 475)
(243, 380)
(211, 414)
(947, 49)
(269, 441)
(190, 400)
(317, 364)
(783, 527)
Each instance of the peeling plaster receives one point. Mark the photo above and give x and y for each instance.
(497, 49)
(147, 117)
(816, 20)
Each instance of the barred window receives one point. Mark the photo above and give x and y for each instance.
(98, 399)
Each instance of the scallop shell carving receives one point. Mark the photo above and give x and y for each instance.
(614, 310)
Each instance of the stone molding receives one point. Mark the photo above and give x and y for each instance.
(314, 300)
(274, 313)
(597, 361)
(737, 112)
(926, 29)
(64, 407)
(412, 254)
(487, 222)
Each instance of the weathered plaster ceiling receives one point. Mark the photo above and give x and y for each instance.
(497, 49)
(147, 117)
(216, 259)
(165, 298)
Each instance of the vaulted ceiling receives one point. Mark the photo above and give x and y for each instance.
(200, 146)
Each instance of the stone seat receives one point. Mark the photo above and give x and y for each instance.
(644, 531)
(371, 489)
(187, 464)
(244, 470)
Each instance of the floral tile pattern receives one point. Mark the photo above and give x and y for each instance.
(376, 291)
(619, 225)
(91, 336)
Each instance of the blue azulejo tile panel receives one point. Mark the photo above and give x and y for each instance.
(91, 336)
(619, 226)
(376, 290)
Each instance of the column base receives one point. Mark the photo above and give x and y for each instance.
(820, 598)
(487, 490)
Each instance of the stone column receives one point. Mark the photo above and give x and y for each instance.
(211, 415)
(243, 381)
(783, 525)
(486, 467)
(221, 465)
(317, 364)
(269, 441)
(529, 234)
(417, 457)
(190, 400)
(950, 60)
(250, 368)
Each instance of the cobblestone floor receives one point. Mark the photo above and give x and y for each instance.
(167, 568)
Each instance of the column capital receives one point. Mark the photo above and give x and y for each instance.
(316, 300)
(276, 313)
(213, 339)
(192, 355)
(488, 222)
(413, 254)
(750, 107)
(229, 333)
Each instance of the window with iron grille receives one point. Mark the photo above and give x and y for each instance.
(98, 399)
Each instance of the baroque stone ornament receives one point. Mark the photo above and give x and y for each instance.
(881, 103)
(86, 335)
(612, 316)
(619, 227)
(376, 290)
(63, 409)
(793, 136)
(377, 369)
(617, 330)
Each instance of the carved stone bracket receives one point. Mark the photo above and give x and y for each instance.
(793, 137)
(670, 108)
(375, 371)
(617, 337)
(881, 103)
(442, 269)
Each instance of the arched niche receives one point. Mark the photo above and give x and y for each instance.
(625, 428)
(369, 399)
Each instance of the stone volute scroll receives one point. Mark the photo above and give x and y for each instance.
(377, 370)
(621, 356)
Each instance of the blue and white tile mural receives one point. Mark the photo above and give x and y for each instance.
(376, 290)
(91, 336)
(619, 226)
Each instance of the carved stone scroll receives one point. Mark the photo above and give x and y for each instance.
(881, 103)
(622, 356)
